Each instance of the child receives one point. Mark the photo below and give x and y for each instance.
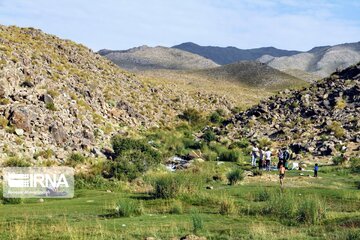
(316, 169)
(281, 174)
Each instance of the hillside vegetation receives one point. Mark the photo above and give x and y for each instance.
(58, 96)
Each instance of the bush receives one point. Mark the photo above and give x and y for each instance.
(128, 208)
(209, 135)
(176, 207)
(235, 176)
(167, 187)
(16, 162)
(229, 156)
(311, 211)
(227, 206)
(355, 164)
(11, 200)
(132, 158)
(76, 158)
(264, 142)
(292, 210)
(337, 129)
(215, 117)
(242, 143)
(191, 115)
(339, 160)
(51, 106)
(197, 222)
(262, 196)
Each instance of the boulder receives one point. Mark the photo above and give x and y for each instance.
(58, 133)
(20, 118)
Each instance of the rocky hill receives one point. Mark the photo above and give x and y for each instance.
(252, 74)
(145, 58)
(320, 61)
(319, 119)
(227, 55)
(57, 96)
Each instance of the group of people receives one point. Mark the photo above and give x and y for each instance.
(262, 158)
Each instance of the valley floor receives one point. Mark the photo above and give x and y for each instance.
(87, 215)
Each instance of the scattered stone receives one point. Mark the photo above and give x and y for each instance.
(209, 187)
(19, 131)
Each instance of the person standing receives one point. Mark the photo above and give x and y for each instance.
(316, 169)
(281, 174)
(254, 155)
(268, 159)
(286, 157)
(261, 158)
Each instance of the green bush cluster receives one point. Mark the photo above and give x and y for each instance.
(229, 156)
(128, 208)
(133, 157)
(235, 176)
(191, 115)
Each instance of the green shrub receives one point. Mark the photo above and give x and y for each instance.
(128, 208)
(51, 106)
(257, 172)
(176, 207)
(355, 164)
(209, 135)
(262, 196)
(190, 143)
(264, 142)
(339, 160)
(191, 115)
(229, 156)
(311, 211)
(242, 143)
(235, 176)
(76, 158)
(132, 158)
(215, 117)
(337, 129)
(197, 222)
(227, 206)
(16, 162)
(11, 200)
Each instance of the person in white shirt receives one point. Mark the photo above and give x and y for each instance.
(268, 158)
(254, 155)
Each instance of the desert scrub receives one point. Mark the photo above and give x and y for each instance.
(3, 122)
(16, 162)
(51, 106)
(191, 115)
(227, 206)
(48, 153)
(229, 156)
(127, 208)
(235, 176)
(337, 129)
(75, 159)
(264, 142)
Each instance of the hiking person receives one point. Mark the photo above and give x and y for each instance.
(268, 158)
(261, 158)
(254, 155)
(280, 156)
(316, 169)
(281, 174)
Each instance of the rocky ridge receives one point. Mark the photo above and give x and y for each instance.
(319, 119)
(57, 97)
(146, 58)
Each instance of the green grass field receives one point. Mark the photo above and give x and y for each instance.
(255, 208)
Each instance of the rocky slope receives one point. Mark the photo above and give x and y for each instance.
(252, 74)
(320, 61)
(145, 58)
(57, 96)
(318, 119)
(227, 55)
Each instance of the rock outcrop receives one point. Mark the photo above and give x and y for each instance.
(320, 119)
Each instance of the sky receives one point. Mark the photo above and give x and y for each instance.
(122, 24)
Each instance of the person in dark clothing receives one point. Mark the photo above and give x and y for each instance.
(316, 169)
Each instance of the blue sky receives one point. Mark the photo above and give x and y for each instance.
(122, 24)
